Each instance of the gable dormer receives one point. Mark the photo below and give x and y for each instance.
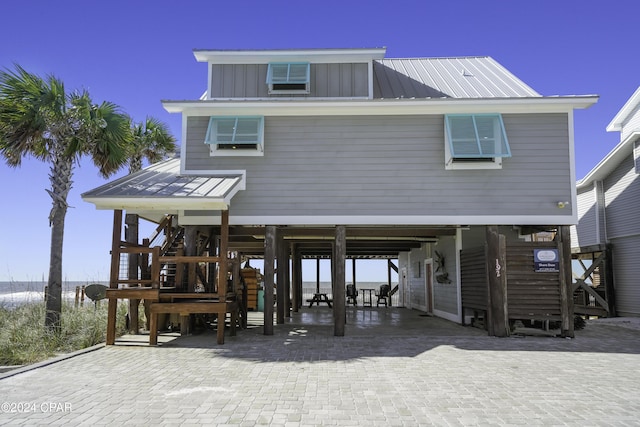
(290, 73)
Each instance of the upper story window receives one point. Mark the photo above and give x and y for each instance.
(475, 141)
(235, 136)
(288, 77)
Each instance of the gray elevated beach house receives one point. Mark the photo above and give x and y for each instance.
(607, 237)
(454, 167)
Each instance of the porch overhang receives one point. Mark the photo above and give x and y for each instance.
(161, 189)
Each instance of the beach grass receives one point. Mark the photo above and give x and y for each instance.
(24, 339)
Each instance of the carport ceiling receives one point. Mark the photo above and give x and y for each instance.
(362, 242)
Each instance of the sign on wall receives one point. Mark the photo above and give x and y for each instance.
(546, 260)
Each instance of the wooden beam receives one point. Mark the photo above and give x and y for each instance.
(296, 277)
(498, 313)
(317, 275)
(566, 288)
(350, 231)
(607, 276)
(281, 287)
(269, 271)
(112, 307)
(353, 270)
(339, 304)
(131, 236)
(190, 250)
(224, 247)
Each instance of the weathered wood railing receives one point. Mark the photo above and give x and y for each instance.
(220, 299)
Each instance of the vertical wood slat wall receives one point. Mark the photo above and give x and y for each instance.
(530, 294)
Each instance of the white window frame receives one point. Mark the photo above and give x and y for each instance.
(278, 84)
(216, 148)
(479, 161)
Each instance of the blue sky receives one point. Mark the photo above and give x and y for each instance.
(137, 53)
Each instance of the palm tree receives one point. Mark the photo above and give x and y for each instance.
(39, 118)
(151, 140)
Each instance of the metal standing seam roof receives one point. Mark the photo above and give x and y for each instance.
(456, 77)
(162, 182)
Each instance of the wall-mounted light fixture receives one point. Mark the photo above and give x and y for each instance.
(563, 205)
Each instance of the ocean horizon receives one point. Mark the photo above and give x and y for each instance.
(15, 293)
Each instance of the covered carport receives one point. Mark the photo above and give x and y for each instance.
(289, 245)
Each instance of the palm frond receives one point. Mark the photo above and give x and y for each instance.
(28, 105)
(152, 140)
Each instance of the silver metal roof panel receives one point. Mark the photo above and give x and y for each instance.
(459, 77)
(161, 185)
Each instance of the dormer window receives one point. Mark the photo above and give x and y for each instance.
(235, 136)
(475, 141)
(288, 77)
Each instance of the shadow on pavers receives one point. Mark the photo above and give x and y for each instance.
(390, 332)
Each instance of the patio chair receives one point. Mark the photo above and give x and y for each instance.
(383, 296)
(352, 295)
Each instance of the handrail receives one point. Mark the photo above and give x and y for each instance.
(162, 226)
(188, 259)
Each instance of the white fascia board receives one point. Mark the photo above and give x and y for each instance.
(155, 204)
(288, 55)
(423, 220)
(610, 161)
(627, 108)
(380, 106)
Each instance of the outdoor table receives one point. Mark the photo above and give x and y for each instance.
(318, 298)
(365, 292)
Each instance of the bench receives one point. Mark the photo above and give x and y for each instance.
(185, 308)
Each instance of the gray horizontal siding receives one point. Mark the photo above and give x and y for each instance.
(326, 80)
(585, 233)
(626, 272)
(622, 196)
(631, 124)
(391, 165)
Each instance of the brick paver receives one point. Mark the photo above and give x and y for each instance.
(393, 368)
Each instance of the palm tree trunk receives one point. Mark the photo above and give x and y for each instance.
(60, 179)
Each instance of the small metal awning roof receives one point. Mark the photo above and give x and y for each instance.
(161, 188)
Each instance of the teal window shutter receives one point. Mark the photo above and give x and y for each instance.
(288, 73)
(477, 136)
(235, 133)
(288, 77)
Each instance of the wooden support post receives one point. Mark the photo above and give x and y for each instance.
(224, 245)
(269, 261)
(389, 281)
(566, 287)
(317, 274)
(155, 267)
(286, 251)
(497, 306)
(339, 304)
(283, 265)
(606, 275)
(353, 271)
(112, 307)
(296, 274)
(131, 236)
(191, 249)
